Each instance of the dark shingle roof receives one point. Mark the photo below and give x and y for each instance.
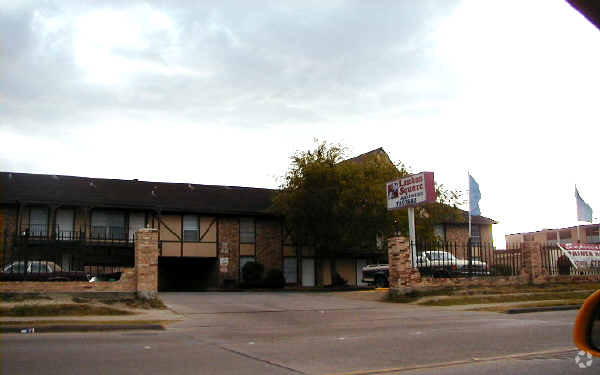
(100, 192)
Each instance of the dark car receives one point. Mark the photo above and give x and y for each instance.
(39, 270)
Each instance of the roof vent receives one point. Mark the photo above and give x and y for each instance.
(55, 177)
(135, 179)
(10, 176)
(190, 186)
(154, 194)
(92, 184)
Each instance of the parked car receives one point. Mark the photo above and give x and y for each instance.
(434, 263)
(39, 270)
(439, 263)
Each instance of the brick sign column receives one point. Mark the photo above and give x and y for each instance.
(532, 270)
(402, 274)
(146, 262)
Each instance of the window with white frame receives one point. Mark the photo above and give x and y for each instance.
(191, 228)
(247, 230)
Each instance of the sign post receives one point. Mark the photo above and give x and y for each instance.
(410, 192)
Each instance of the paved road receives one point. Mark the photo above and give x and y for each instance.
(312, 333)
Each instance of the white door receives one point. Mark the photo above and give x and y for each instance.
(64, 224)
(136, 221)
(308, 272)
(360, 263)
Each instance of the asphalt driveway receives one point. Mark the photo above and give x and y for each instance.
(326, 333)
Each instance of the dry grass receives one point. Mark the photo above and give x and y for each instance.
(524, 297)
(504, 308)
(61, 310)
(133, 303)
(20, 297)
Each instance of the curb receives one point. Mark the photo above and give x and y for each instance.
(81, 328)
(542, 309)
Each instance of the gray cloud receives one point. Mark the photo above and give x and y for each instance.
(272, 63)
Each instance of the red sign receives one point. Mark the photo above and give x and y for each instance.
(411, 191)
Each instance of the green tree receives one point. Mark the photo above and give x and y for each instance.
(339, 206)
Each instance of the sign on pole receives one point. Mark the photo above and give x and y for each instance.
(409, 192)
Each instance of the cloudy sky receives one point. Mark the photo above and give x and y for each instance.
(224, 92)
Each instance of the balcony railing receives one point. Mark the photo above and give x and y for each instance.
(41, 233)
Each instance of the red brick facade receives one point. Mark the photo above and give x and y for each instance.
(229, 248)
(269, 243)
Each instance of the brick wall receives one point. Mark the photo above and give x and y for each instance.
(228, 242)
(127, 284)
(268, 243)
(405, 279)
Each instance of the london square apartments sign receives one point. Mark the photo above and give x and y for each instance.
(411, 191)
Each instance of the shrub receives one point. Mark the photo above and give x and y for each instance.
(252, 274)
(338, 280)
(274, 279)
(501, 270)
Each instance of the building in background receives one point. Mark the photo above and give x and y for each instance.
(577, 234)
(206, 232)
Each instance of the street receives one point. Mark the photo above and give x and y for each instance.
(310, 333)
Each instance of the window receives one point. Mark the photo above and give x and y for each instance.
(191, 229)
(475, 235)
(528, 237)
(247, 230)
(243, 261)
(137, 221)
(290, 270)
(379, 240)
(438, 231)
(64, 224)
(38, 222)
(108, 225)
(551, 236)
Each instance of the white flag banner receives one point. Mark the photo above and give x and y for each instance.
(582, 255)
(584, 211)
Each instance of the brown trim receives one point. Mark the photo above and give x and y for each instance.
(207, 230)
(167, 227)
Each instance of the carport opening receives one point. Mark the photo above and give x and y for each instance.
(186, 274)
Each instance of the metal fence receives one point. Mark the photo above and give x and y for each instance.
(466, 259)
(556, 263)
(39, 255)
(42, 233)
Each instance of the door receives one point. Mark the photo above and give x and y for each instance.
(308, 272)
(360, 263)
(290, 270)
